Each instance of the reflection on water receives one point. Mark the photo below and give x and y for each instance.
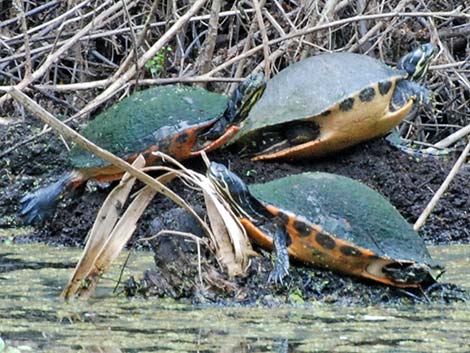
(32, 318)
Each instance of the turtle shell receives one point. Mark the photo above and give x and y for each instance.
(310, 87)
(144, 119)
(347, 210)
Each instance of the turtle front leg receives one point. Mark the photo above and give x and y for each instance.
(408, 98)
(227, 136)
(281, 256)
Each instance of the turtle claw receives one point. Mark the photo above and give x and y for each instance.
(29, 211)
(37, 206)
(278, 274)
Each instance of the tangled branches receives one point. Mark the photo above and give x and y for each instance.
(75, 55)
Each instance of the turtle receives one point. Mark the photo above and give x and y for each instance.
(329, 221)
(332, 101)
(177, 120)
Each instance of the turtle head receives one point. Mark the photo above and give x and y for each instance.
(232, 188)
(239, 105)
(411, 273)
(245, 97)
(417, 62)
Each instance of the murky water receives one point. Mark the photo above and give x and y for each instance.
(33, 319)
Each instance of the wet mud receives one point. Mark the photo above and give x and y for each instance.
(183, 272)
(408, 182)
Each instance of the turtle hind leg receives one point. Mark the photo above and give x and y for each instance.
(395, 140)
(281, 256)
(39, 205)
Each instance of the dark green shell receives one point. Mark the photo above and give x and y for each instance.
(135, 123)
(310, 87)
(347, 209)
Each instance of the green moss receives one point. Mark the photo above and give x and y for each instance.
(296, 297)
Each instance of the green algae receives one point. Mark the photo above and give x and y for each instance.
(33, 316)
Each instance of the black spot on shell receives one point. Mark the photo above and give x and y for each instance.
(384, 87)
(302, 228)
(367, 94)
(350, 251)
(326, 113)
(326, 241)
(347, 104)
(182, 138)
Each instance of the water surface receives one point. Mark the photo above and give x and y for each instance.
(34, 319)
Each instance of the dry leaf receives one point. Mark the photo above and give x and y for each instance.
(104, 223)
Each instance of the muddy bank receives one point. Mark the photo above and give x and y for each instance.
(304, 285)
(185, 273)
(409, 183)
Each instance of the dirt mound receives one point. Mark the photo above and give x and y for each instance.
(177, 276)
(408, 183)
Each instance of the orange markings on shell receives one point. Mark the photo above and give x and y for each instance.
(344, 256)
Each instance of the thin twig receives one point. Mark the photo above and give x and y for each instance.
(449, 140)
(50, 60)
(246, 46)
(120, 82)
(113, 32)
(83, 86)
(377, 27)
(455, 169)
(132, 56)
(454, 14)
(24, 28)
(135, 42)
(55, 20)
(34, 11)
(206, 53)
(264, 35)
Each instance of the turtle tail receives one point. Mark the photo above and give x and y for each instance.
(39, 205)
